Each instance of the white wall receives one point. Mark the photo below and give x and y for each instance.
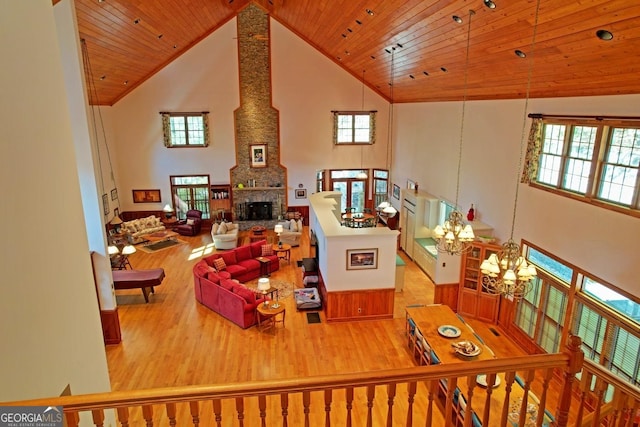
(306, 87)
(50, 334)
(426, 151)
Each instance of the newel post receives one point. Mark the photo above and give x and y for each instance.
(576, 358)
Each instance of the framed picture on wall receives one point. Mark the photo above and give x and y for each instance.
(146, 196)
(114, 194)
(258, 155)
(362, 259)
(105, 203)
(301, 193)
(396, 192)
(411, 185)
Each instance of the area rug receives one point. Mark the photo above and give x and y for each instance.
(152, 248)
(313, 317)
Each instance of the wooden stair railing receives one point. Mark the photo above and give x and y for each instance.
(410, 395)
(604, 399)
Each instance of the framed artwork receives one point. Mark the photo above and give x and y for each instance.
(146, 196)
(396, 192)
(105, 203)
(114, 194)
(258, 155)
(116, 212)
(362, 259)
(301, 193)
(411, 185)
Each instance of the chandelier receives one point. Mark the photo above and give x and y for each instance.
(506, 272)
(454, 236)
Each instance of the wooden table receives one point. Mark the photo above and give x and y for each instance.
(429, 318)
(283, 249)
(358, 218)
(267, 315)
(258, 232)
(161, 236)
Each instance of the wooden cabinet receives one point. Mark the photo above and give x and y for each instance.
(473, 300)
(220, 203)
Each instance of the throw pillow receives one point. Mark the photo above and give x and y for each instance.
(293, 225)
(214, 228)
(190, 221)
(267, 250)
(227, 284)
(219, 264)
(300, 225)
(223, 228)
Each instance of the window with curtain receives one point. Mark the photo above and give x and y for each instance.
(185, 129)
(354, 127)
(593, 160)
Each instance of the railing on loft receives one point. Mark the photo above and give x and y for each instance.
(401, 397)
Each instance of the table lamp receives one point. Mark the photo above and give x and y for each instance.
(279, 229)
(112, 250)
(116, 221)
(264, 286)
(128, 250)
(168, 211)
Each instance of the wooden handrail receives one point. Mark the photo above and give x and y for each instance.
(117, 399)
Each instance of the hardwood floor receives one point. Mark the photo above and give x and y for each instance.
(173, 340)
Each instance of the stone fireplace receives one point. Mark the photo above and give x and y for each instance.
(256, 124)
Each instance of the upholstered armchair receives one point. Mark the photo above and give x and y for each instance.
(191, 225)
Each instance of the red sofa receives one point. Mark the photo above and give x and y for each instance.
(221, 291)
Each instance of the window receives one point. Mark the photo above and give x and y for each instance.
(380, 186)
(354, 127)
(606, 319)
(353, 189)
(190, 192)
(185, 129)
(597, 161)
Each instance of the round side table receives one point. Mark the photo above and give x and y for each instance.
(267, 315)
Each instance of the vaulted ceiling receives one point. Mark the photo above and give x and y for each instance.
(414, 46)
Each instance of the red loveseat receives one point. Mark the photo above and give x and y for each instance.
(221, 291)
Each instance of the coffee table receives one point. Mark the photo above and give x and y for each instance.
(258, 233)
(161, 236)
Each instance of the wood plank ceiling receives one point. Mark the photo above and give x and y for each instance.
(128, 41)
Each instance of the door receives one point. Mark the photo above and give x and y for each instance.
(353, 192)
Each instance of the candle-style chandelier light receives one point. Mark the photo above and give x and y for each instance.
(506, 272)
(454, 236)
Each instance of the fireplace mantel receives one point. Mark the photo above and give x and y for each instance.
(259, 188)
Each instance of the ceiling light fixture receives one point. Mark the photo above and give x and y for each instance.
(520, 54)
(506, 272)
(604, 35)
(386, 207)
(370, 12)
(489, 4)
(457, 19)
(454, 236)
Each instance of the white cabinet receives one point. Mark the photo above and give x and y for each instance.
(424, 260)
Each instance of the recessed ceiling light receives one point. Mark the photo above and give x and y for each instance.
(136, 21)
(457, 19)
(350, 30)
(358, 22)
(604, 35)
(344, 35)
(520, 53)
(444, 70)
(370, 12)
(126, 82)
(159, 36)
(373, 57)
(399, 45)
(425, 73)
(411, 76)
(175, 46)
(102, 77)
(490, 4)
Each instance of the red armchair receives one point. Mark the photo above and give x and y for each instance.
(192, 225)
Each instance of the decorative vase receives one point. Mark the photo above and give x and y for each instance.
(471, 214)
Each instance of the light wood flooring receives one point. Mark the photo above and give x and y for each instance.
(173, 340)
